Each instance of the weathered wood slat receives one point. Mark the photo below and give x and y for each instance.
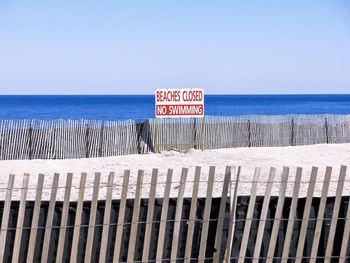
(345, 241)
(332, 228)
(249, 217)
(11, 140)
(135, 217)
(20, 140)
(178, 214)
(77, 220)
(292, 214)
(178, 218)
(192, 217)
(5, 216)
(222, 211)
(149, 220)
(69, 138)
(163, 217)
(306, 214)
(49, 219)
(64, 218)
(121, 215)
(278, 214)
(106, 218)
(206, 216)
(320, 215)
(263, 215)
(233, 201)
(35, 220)
(20, 219)
(92, 219)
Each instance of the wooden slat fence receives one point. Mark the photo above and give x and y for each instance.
(61, 139)
(227, 229)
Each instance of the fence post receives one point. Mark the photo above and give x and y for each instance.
(249, 135)
(195, 133)
(139, 128)
(30, 142)
(87, 141)
(326, 127)
(292, 133)
(101, 140)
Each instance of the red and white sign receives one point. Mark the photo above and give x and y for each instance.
(172, 103)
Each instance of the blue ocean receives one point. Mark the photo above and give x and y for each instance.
(140, 107)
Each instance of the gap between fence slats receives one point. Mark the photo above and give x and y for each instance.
(92, 219)
(291, 218)
(149, 220)
(178, 213)
(278, 214)
(77, 220)
(228, 249)
(206, 216)
(222, 211)
(249, 217)
(64, 218)
(106, 218)
(163, 217)
(135, 217)
(192, 217)
(35, 219)
(306, 214)
(49, 219)
(121, 215)
(263, 215)
(320, 214)
(345, 241)
(330, 241)
(20, 219)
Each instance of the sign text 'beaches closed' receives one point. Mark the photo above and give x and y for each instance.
(175, 103)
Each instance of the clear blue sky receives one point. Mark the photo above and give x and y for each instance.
(134, 47)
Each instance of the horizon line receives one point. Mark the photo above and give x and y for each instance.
(148, 94)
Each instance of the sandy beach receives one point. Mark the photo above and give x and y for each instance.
(321, 155)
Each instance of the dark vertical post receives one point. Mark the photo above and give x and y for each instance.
(101, 140)
(292, 133)
(326, 127)
(30, 142)
(249, 135)
(87, 141)
(139, 128)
